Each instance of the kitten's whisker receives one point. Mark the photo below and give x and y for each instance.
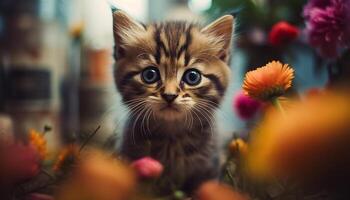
(126, 112)
(143, 133)
(131, 104)
(133, 107)
(190, 125)
(200, 121)
(188, 111)
(135, 122)
(212, 103)
(144, 114)
(146, 124)
(148, 108)
(214, 106)
(210, 120)
(207, 114)
(133, 100)
(192, 121)
(135, 111)
(148, 119)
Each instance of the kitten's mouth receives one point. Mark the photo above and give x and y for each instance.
(170, 112)
(169, 107)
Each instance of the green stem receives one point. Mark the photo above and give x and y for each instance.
(278, 105)
(89, 138)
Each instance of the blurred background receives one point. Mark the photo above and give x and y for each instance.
(56, 60)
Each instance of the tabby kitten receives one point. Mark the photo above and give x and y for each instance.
(172, 76)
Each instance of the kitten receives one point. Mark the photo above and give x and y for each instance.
(172, 76)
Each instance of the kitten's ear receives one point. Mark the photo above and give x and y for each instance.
(222, 29)
(125, 30)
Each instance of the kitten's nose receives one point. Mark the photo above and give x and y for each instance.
(169, 97)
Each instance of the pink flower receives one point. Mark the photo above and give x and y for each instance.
(37, 196)
(245, 106)
(282, 33)
(328, 25)
(147, 167)
(19, 162)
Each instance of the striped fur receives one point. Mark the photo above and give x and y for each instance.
(180, 135)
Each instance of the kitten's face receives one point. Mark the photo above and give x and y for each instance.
(172, 70)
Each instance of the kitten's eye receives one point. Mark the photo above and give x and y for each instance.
(150, 75)
(192, 77)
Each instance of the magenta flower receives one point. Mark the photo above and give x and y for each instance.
(328, 25)
(147, 167)
(245, 106)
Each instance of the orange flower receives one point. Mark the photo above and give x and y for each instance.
(67, 154)
(269, 81)
(38, 140)
(311, 140)
(238, 146)
(76, 30)
(212, 190)
(98, 176)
